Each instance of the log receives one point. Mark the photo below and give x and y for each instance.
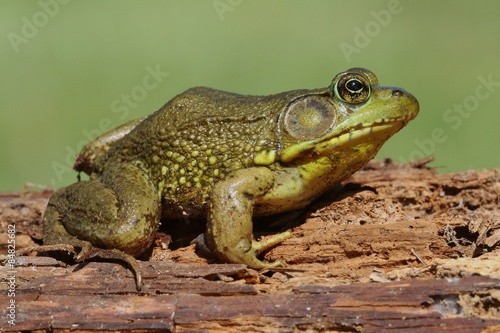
(397, 248)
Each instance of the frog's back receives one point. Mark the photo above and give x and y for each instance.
(200, 103)
(199, 137)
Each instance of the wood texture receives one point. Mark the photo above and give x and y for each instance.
(399, 248)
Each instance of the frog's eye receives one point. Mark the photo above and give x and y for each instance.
(309, 117)
(352, 88)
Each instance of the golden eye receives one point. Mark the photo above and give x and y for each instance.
(309, 117)
(352, 88)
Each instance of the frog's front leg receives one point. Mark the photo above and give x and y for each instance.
(229, 228)
(113, 216)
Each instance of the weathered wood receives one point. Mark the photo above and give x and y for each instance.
(464, 305)
(398, 249)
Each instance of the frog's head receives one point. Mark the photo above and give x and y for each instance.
(346, 123)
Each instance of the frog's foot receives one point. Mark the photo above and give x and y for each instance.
(250, 257)
(257, 248)
(87, 251)
(246, 252)
(117, 255)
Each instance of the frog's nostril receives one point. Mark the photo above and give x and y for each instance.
(397, 93)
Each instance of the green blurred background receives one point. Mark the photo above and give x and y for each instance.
(67, 68)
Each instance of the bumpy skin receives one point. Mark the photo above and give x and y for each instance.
(226, 157)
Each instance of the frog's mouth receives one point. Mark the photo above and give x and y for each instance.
(374, 133)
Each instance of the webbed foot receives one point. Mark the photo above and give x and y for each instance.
(87, 251)
(257, 248)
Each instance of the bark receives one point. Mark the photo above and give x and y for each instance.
(399, 248)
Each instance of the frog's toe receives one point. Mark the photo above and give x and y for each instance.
(252, 261)
(46, 248)
(85, 251)
(267, 243)
(274, 264)
(120, 256)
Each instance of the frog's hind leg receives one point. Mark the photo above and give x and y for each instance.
(114, 216)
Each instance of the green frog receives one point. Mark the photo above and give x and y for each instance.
(224, 157)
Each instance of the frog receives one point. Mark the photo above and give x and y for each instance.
(226, 158)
